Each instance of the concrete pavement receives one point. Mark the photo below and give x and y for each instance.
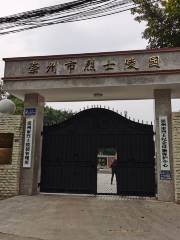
(45, 217)
(104, 183)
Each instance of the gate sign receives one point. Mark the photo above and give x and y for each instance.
(30, 111)
(164, 148)
(28, 143)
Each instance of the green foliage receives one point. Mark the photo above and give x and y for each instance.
(52, 116)
(2, 92)
(19, 104)
(108, 151)
(172, 6)
(163, 22)
(102, 162)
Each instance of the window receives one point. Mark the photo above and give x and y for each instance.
(6, 144)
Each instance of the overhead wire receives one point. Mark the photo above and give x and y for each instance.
(74, 11)
(50, 21)
(83, 14)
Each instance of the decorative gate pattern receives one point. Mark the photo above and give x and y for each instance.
(69, 157)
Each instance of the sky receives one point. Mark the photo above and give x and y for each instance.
(111, 33)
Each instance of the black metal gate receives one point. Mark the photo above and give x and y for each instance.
(69, 155)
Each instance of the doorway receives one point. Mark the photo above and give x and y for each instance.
(106, 172)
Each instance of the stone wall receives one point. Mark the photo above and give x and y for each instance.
(10, 173)
(176, 153)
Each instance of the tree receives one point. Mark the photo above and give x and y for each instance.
(51, 116)
(2, 92)
(163, 22)
(19, 104)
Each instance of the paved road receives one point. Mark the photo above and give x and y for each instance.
(104, 183)
(87, 218)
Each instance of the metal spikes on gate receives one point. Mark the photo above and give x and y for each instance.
(124, 114)
(64, 13)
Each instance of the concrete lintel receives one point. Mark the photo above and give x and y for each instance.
(82, 89)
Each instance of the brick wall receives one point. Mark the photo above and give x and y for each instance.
(176, 153)
(10, 173)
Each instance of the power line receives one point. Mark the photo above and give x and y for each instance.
(63, 13)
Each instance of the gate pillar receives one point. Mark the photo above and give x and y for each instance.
(30, 171)
(163, 139)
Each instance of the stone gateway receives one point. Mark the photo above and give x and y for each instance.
(140, 74)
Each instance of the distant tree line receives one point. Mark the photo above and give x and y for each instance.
(51, 116)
